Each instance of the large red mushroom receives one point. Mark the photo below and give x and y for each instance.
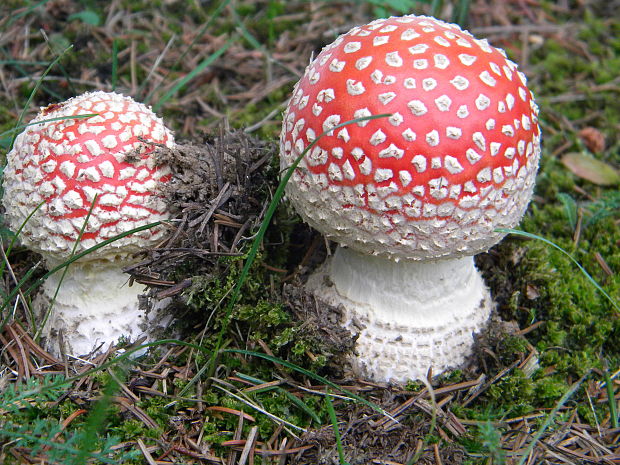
(59, 169)
(411, 197)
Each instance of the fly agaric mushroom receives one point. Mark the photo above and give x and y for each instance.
(411, 197)
(58, 168)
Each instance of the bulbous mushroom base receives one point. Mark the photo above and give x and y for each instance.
(94, 307)
(410, 315)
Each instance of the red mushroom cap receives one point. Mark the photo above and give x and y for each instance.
(455, 160)
(64, 164)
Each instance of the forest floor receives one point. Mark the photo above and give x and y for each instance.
(544, 383)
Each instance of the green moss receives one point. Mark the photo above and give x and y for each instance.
(511, 347)
(451, 377)
(131, 429)
(549, 389)
(214, 435)
(156, 408)
(577, 316)
(255, 112)
(258, 315)
(264, 314)
(513, 394)
(579, 325)
(414, 386)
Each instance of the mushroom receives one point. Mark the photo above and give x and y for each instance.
(411, 197)
(62, 168)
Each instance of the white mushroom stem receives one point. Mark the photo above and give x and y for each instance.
(94, 306)
(410, 315)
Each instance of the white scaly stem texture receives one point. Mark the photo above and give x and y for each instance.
(410, 315)
(95, 305)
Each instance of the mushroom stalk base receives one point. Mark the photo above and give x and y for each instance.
(94, 307)
(410, 316)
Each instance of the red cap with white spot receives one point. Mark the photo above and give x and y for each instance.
(64, 163)
(455, 160)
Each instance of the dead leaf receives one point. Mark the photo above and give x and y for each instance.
(590, 168)
(532, 292)
(593, 139)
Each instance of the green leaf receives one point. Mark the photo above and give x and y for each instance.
(87, 17)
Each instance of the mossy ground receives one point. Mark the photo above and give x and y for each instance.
(182, 413)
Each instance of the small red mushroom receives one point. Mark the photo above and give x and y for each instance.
(66, 165)
(411, 197)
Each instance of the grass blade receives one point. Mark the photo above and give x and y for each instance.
(436, 7)
(114, 64)
(23, 62)
(18, 129)
(294, 399)
(334, 420)
(13, 241)
(309, 374)
(570, 208)
(156, 64)
(64, 72)
(613, 410)
(18, 286)
(98, 415)
(191, 75)
(460, 15)
(260, 409)
(17, 435)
